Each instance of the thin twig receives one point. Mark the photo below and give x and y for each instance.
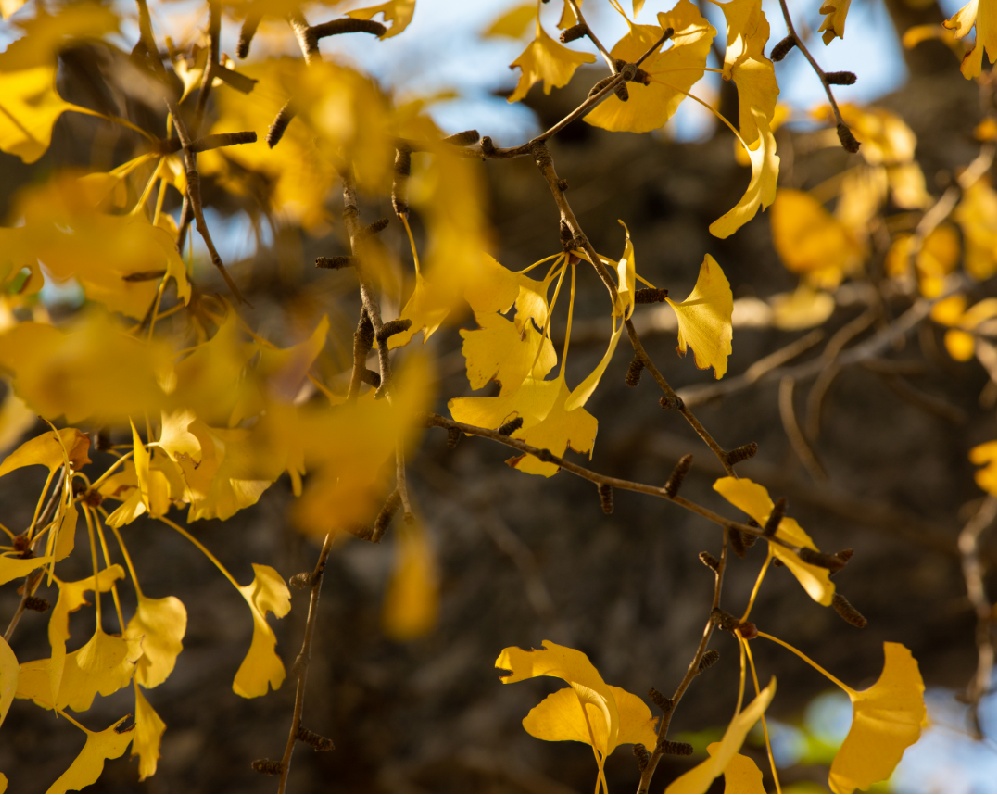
(795, 434)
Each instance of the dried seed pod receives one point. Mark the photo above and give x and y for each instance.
(742, 453)
(845, 609)
(574, 33)
(334, 263)
(268, 767)
(633, 371)
(599, 86)
(674, 482)
(641, 76)
(606, 498)
(36, 604)
(303, 579)
(465, 138)
(316, 741)
(842, 78)
(782, 48)
(510, 427)
(847, 138)
(660, 700)
(650, 295)
(709, 659)
(643, 757)
(391, 328)
(674, 747)
(776, 516)
(279, 125)
(710, 561)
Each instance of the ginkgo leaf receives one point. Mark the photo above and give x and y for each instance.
(810, 240)
(491, 287)
(741, 774)
(149, 728)
(513, 22)
(834, 12)
(887, 719)
(426, 308)
(159, 625)
(805, 307)
(411, 601)
(15, 568)
(672, 72)
(701, 776)
(51, 450)
(754, 500)
(262, 668)
(397, 12)
(9, 672)
(704, 319)
(982, 16)
(497, 351)
(761, 189)
(29, 102)
(101, 746)
(548, 61)
(746, 64)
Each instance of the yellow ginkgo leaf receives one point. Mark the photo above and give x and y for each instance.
(159, 625)
(741, 774)
(671, 72)
(262, 668)
(50, 450)
(426, 308)
(397, 12)
(701, 776)
(12, 568)
(411, 601)
(835, 12)
(984, 18)
(811, 241)
(754, 500)
(985, 455)
(149, 728)
(761, 190)
(704, 319)
(589, 711)
(29, 103)
(746, 64)
(9, 672)
(98, 749)
(513, 22)
(803, 308)
(887, 719)
(497, 351)
(548, 61)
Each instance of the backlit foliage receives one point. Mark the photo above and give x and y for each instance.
(163, 395)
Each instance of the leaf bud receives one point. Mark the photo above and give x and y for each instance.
(634, 370)
(661, 701)
(742, 453)
(708, 660)
(842, 78)
(279, 125)
(465, 138)
(845, 609)
(385, 516)
(599, 86)
(710, 561)
(316, 741)
(844, 555)
(334, 263)
(487, 146)
(782, 48)
(622, 92)
(675, 747)
(374, 227)
(574, 33)
(544, 454)
(643, 757)
(674, 482)
(268, 767)
(249, 28)
(391, 328)
(303, 579)
(672, 401)
(453, 437)
(847, 139)
(510, 427)
(737, 542)
(562, 185)
(815, 557)
(776, 516)
(606, 498)
(746, 630)
(723, 620)
(650, 295)
(36, 604)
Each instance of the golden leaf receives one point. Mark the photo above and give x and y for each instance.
(51, 450)
(159, 625)
(262, 668)
(149, 728)
(834, 12)
(548, 61)
(984, 18)
(811, 241)
(745, 63)
(704, 319)
(101, 746)
(397, 12)
(761, 190)
(9, 672)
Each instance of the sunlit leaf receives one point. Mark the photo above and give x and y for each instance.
(397, 12)
(754, 500)
(835, 12)
(262, 668)
(704, 319)
(761, 191)
(983, 16)
(497, 351)
(810, 240)
(29, 103)
(159, 625)
(741, 774)
(149, 728)
(701, 776)
(9, 672)
(98, 749)
(746, 64)
(51, 450)
(887, 719)
(513, 22)
(545, 60)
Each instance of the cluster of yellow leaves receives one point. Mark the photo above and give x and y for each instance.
(982, 16)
